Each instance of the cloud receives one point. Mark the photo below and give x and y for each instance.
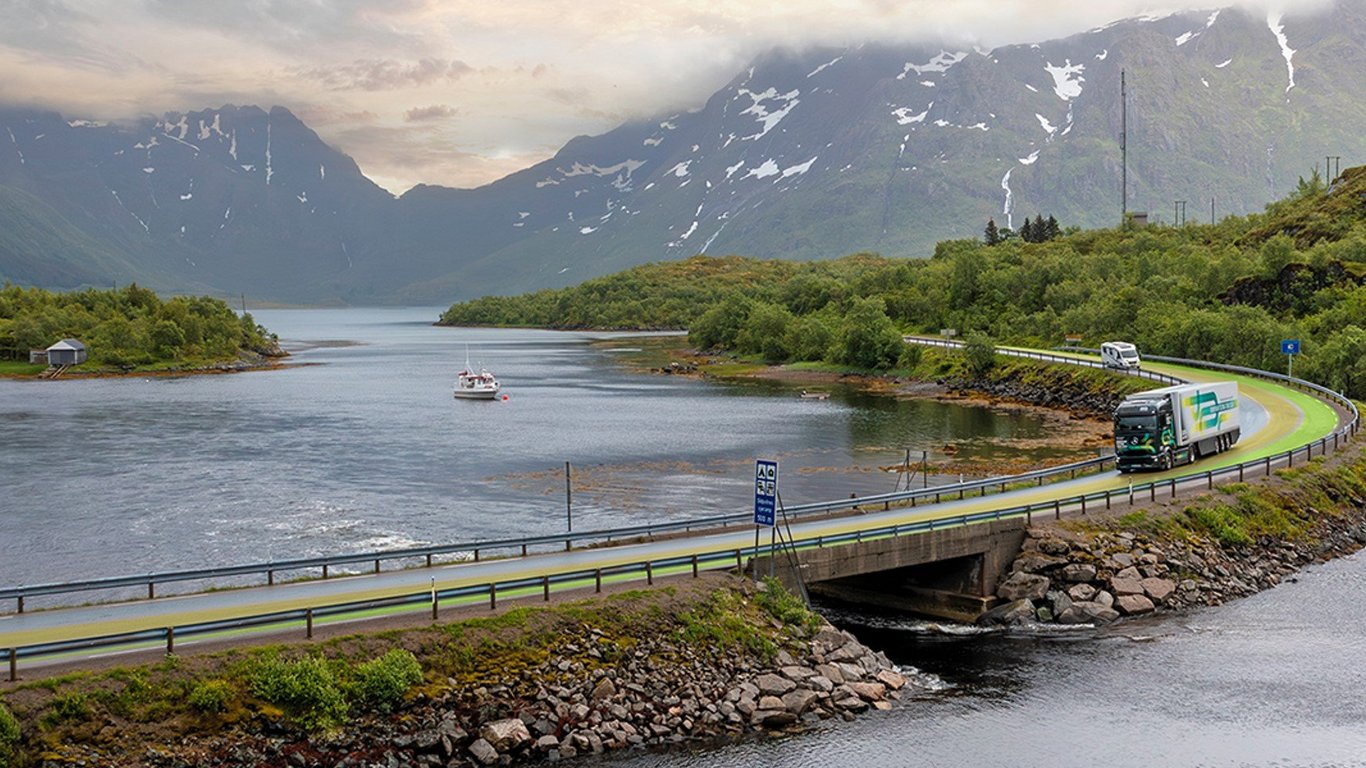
(434, 112)
(384, 74)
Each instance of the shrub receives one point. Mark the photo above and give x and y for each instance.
(306, 689)
(210, 695)
(382, 682)
(980, 352)
(785, 606)
(9, 737)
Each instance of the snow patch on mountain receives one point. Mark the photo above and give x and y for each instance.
(86, 123)
(1186, 37)
(322, 173)
(1101, 56)
(798, 169)
(1204, 82)
(653, 141)
(730, 171)
(680, 169)
(769, 168)
(1067, 79)
(904, 117)
(1223, 63)
(1047, 126)
(1212, 17)
(762, 113)
(16, 147)
(269, 170)
(1029, 160)
(1273, 22)
(119, 200)
(817, 70)
(1009, 206)
(942, 62)
(587, 230)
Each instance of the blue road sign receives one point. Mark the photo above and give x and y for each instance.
(765, 492)
(1290, 347)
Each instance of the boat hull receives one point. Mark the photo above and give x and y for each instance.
(475, 394)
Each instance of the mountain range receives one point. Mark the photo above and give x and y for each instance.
(805, 155)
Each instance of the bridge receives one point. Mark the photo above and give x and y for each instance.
(940, 549)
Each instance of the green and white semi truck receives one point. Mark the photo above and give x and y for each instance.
(1162, 428)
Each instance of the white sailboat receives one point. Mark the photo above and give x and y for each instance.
(471, 385)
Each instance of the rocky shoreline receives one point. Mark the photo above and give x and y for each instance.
(1067, 576)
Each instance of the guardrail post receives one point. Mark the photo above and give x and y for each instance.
(1209, 479)
(377, 565)
(694, 566)
(1083, 504)
(151, 591)
(739, 563)
(1107, 498)
(1057, 509)
(170, 640)
(1290, 458)
(13, 665)
(21, 603)
(493, 596)
(649, 574)
(597, 580)
(1152, 491)
(436, 603)
(1173, 482)
(1240, 473)
(324, 570)
(524, 550)
(270, 578)
(545, 588)
(429, 560)
(308, 623)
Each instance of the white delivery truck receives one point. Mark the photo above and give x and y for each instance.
(1161, 428)
(1119, 354)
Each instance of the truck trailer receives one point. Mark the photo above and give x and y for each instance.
(1161, 428)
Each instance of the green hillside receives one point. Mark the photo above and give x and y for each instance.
(1227, 292)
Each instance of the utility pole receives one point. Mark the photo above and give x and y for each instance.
(1211, 209)
(1123, 151)
(1179, 213)
(568, 500)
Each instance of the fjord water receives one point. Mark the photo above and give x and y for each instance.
(359, 446)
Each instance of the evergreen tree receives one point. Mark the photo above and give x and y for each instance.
(1040, 230)
(1051, 227)
(993, 235)
(1027, 231)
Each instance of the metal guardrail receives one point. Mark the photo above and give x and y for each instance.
(526, 544)
(724, 559)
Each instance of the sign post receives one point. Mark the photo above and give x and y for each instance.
(765, 504)
(1290, 348)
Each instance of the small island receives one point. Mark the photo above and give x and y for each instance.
(124, 331)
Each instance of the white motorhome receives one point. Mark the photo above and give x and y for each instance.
(1119, 354)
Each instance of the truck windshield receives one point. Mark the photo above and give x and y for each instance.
(1129, 423)
(1130, 355)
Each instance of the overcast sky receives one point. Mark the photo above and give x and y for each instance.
(463, 92)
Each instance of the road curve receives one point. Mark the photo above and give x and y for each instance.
(1279, 418)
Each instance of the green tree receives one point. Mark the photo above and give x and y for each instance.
(809, 338)
(720, 325)
(993, 235)
(765, 332)
(980, 353)
(869, 339)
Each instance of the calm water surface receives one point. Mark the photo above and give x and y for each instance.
(362, 447)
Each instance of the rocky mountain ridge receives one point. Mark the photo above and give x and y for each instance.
(805, 154)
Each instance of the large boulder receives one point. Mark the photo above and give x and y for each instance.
(505, 735)
(1009, 614)
(1023, 586)
(483, 752)
(1078, 572)
(1126, 585)
(1158, 589)
(1134, 604)
(1088, 613)
(773, 685)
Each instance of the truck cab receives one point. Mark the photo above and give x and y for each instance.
(1145, 435)
(1119, 354)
